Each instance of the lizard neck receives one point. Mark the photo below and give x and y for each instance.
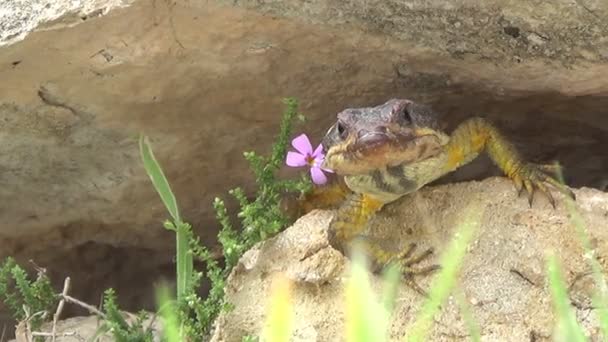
(389, 184)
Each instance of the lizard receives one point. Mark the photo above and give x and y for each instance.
(385, 152)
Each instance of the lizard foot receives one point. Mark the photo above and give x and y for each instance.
(406, 260)
(532, 177)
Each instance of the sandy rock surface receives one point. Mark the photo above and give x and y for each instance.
(503, 276)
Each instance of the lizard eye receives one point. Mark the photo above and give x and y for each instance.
(335, 134)
(401, 112)
(404, 114)
(341, 129)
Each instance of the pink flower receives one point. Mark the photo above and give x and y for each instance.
(307, 157)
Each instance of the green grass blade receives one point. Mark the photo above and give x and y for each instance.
(600, 298)
(467, 316)
(391, 277)
(280, 317)
(168, 313)
(446, 279)
(184, 261)
(183, 256)
(366, 318)
(567, 326)
(158, 178)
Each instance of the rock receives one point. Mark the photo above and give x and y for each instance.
(20, 17)
(503, 276)
(486, 28)
(84, 328)
(205, 83)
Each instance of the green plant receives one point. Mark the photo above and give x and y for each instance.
(280, 316)
(444, 282)
(260, 218)
(467, 315)
(367, 318)
(169, 314)
(565, 319)
(567, 326)
(27, 299)
(116, 324)
(183, 231)
(194, 317)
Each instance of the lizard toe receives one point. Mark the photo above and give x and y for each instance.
(543, 188)
(530, 190)
(409, 274)
(407, 253)
(412, 260)
(406, 260)
(533, 177)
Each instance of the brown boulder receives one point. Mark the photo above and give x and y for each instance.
(503, 276)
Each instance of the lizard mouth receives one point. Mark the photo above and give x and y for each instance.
(371, 138)
(379, 141)
(380, 149)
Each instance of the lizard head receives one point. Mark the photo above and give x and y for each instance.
(394, 133)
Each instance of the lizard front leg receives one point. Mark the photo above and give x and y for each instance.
(346, 230)
(476, 135)
(324, 197)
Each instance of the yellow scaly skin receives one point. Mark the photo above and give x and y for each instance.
(394, 149)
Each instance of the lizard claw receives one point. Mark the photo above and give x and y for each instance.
(532, 177)
(406, 260)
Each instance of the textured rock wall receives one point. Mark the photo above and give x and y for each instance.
(20, 17)
(506, 31)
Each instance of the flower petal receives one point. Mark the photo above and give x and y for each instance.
(295, 159)
(317, 175)
(302, 144)
(318, 153)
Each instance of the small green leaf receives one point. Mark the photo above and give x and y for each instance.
(158, 178)
(169, 225)
(568, 328)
